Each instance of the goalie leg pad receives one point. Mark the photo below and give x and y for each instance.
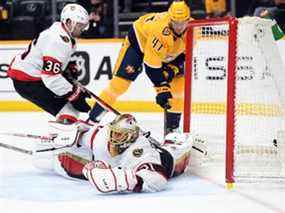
(69, 162)
(69, 165)
(63, 134)
(43, 160)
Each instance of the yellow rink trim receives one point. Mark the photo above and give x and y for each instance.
(242, 109)
(122, 106)
(148, 106)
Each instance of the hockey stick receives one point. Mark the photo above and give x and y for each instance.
(164, 122)
(145, 133)
(26, 136)
(17, 149)
(50, 139)
(29, 152)
(102, 102)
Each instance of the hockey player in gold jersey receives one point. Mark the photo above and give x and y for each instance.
(157, 41)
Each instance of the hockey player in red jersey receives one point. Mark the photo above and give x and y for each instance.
(37, 73)
(116, 157)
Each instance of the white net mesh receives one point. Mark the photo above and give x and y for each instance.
(258, 103)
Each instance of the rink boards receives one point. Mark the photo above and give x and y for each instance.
(96, 59)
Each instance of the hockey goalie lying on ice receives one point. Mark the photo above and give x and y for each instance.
(116, 157)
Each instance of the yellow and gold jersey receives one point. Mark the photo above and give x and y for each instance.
(156, 39)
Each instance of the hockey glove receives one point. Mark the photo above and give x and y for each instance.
(71, 73)
(78, 99)
(170, 71)
(163, 95)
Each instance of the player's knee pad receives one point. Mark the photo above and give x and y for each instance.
(67, 114)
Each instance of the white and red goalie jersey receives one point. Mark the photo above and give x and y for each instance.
(143, 166)
(45, 58)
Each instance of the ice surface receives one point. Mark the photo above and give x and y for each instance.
(26, 189)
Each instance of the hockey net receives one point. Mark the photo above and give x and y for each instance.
(234, 99)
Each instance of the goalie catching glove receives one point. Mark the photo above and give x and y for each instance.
(71, 73)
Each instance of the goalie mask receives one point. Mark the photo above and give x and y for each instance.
(123, 131)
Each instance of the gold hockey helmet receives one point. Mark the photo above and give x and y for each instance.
(179, 11)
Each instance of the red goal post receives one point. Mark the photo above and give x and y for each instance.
(232, 22)
(231, 37)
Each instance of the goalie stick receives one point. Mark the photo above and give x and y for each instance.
(164, 122)
(26, 136)
(22, 150)
(29, 152)
(17, 149)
